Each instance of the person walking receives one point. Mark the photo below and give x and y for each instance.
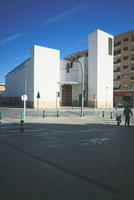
(127, 112)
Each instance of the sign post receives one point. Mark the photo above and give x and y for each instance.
(24, 99)
(94, 96)
(38, 97)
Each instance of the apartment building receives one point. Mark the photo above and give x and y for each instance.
(124, 68)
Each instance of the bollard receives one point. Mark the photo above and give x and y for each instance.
(118, 119)
(0, 125)
(102, 113)
(22, 115)
(57, 113)
(111, 115)
(44, 114)
(21, 126)
(1, 115)
(83, 114)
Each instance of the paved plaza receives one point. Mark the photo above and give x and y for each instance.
(66, 157)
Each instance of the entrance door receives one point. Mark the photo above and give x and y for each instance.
(66, 95)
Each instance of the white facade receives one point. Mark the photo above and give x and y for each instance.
(45, 73)
(40, 74)
(100, 69)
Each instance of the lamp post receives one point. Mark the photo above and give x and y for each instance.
(82, 85)
(106, 96)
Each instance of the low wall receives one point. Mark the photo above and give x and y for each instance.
(15, 101)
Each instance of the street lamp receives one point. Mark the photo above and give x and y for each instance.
(106, 96)
(82, 84)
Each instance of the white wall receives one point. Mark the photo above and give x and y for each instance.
(100, 69)
(20, 80)
(46, 73)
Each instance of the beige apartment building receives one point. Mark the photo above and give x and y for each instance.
(124, 68)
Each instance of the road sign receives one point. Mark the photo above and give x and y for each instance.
(38, 95)
(94, 96)
(24, 97)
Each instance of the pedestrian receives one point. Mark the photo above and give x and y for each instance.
(127, 112)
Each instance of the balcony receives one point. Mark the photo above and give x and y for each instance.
(132, 78)
(117, 86)
(117, 62)
(117, 52)
(117, 79)
(118, 43)
(132, 60)
(117, 70)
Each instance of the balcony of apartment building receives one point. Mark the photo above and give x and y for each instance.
(132, 67)
(132, 78)
(117, 79)
(132, 58)
(117, 86)
(117, 61)
(132, 48)
(117, 70)
(132, 38)
(117, 53)
(117, 44)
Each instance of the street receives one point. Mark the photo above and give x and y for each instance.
(66, 161)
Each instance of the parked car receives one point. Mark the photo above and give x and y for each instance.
(119, 105)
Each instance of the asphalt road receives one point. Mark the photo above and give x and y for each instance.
(65, 161)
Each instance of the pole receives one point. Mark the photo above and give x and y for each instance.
(24, 109)
(37, 107)
(82, 87)
(56, 100)
(106, 97)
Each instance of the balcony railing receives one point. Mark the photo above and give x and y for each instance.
(117, 79)
(117, 70)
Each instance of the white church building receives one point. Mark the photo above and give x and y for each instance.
(61, 81)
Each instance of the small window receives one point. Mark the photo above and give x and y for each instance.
(125, 85)
(132, 38)
(125, 67)
(132, 67)
(125, 39)
(125, 75)
(125, 49)
(132, 57)
(125, 57)
(117, 43)
(110, 49)
(132, 48)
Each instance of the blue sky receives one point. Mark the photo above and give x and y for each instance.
(58, 24)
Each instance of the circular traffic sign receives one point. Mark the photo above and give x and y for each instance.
(24, 97)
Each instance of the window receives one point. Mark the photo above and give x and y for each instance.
(110, 49)
(125, 85)
(125, 57)
(117, 78)
(132, 57)
(125, 67)
(132, 67)
(117, 69)
(132, 38)
(132, 48)
(117, 52)
(117, 43)
(117, 61)
(125, 75)
(125, 39)
(117, 86)
(125, 49)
